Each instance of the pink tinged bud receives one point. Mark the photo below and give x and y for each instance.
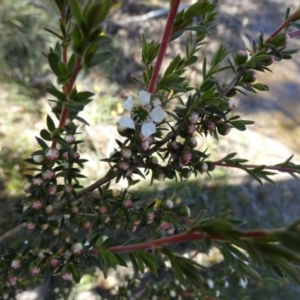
(137, 222)
(230, 104)
(134, 228)
(55, 262)
(35, 270)
(38, 158)
(48, 174)
(173, 146)
(165, 225)
(77, 248)
(70, 138)
(143, 138)
(65, 165)
(193, 118)
(151, 215)
(36, 205)
(55, 232)
(68, 189)
(67, 276)
(27, 187)
(169, 204)
(129, 173)
(65, 155)
(52, 154)
(211, 126)
(186, 157)
(191, 129)
(75, 209)
(13, 280)
(68, 121)
(171, 230)
(106, 219)
(30, 226)
(49, 209)
(151, 139)
(44, 226)
(103, 209)
(191, 142)
(75, 156)
(52, 190)
(37, 181)
(160, 175)
(127, 203)
(15, 264)
(124, 165)
(87, 225)
(145, 145)
(126, 152)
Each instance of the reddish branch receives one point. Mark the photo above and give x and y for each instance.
(183, 237)
(164, 43)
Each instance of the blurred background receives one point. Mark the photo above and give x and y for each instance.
(25, 75)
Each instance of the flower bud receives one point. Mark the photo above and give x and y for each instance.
(67, 276)
(249, 77)
(65, 155)
(55, 262)
(174, 146)
(127, 203)
(13, 280)
(230, 105)
(191, 129)
(38, 181)
(105, 218)
(201, 166)
(152, 160)
(48, 174)
(186, 173)
(126, 153)
(55, 232)
(231, 93)
(49, 209)
(52, 154)
(87, 224)
(145, 145)
(27, 187)
(44, 226)
(164, 224)
(159, 175)
(75, 209)
(241, 57)
(68, 188)
(30, 226)
(35, 270)
(167, 205)
(124, 165)
(210, 166)
(193, 118)
(52, 190)
(38, 158)
(280, 40)
(129, 173)
(223, 128)
(36, 205)
(191, 142)
(15, 264)
(183, 211)
(70, 138)
(186, 157)
(77, 248)
(269, 61)
(209, 125)
(75, 156)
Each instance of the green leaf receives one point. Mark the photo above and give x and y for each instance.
(149, 261)
(54, 60)
(42, 143)
(109, 242)
(50, 124)
(55, 92)
(260, 87)
(288, 239)
(75, 8)
(54, 33)
(45, 134)
(75, 272)
(99, 57)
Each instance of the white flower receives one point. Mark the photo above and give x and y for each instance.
(142, 113)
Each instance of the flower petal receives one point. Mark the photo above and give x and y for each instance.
(157, 114)
(144, 97)
(156, 102)
(148, 129)
(126, 122)
(128, 104)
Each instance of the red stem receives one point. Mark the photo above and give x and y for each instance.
(164, 43)
(285, 23)
(279, 169)
(180, 238)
